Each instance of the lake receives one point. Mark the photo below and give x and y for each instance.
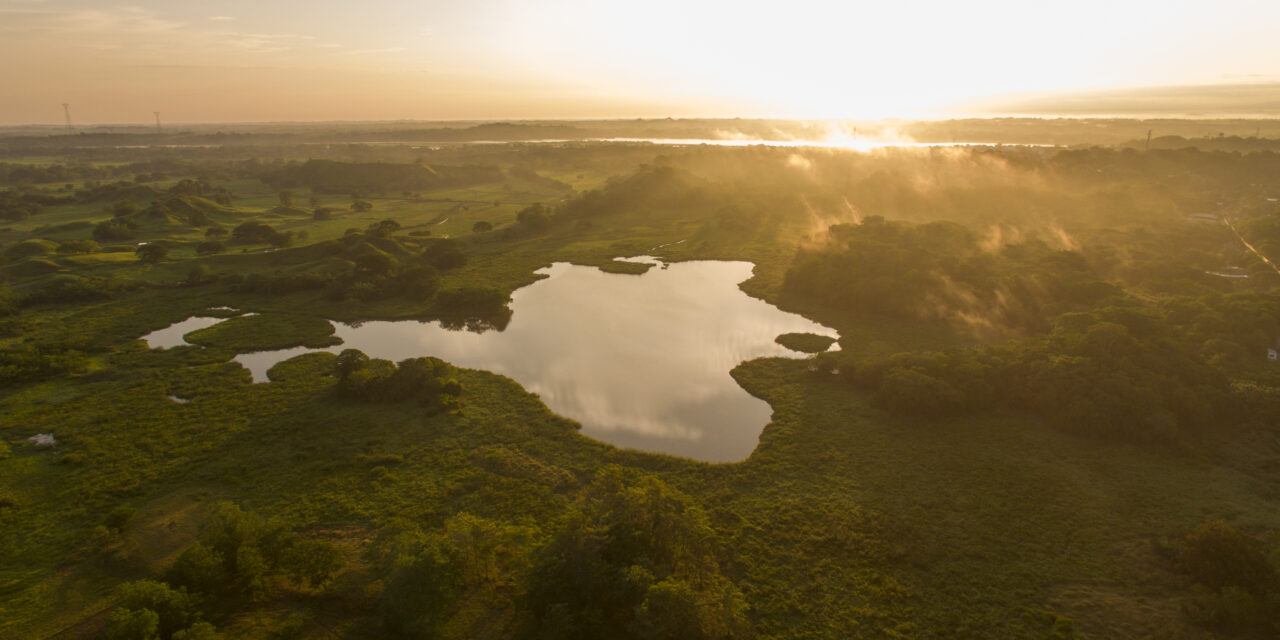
(641, 361)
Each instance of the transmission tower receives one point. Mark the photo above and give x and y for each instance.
(158, 129)
(66, 110)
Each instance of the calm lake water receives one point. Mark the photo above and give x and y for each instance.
(641, 361)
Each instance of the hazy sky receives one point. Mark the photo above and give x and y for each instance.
(261, 60)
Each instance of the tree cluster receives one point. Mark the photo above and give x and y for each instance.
(1237, 586)
(429, 382)
(634, 559)
(236, 554)
(940, 271)
(253, 232)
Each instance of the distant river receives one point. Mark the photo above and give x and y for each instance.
(850, 144)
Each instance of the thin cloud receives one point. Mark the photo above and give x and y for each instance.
(385, 50)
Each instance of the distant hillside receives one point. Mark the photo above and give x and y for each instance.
(330, 176)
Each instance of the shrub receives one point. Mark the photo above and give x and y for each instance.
(1218, 555)
(118, 517)
(210, 247)
(78, 246)
(152, 253)
(312, 561)
(115, 230)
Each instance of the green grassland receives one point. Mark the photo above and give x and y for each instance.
(852, 519)
(260, 332)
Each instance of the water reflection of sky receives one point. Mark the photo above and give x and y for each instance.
(171, 336)
(640, 361)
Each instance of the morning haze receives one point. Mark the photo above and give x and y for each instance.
(664, 320)
(240, 61)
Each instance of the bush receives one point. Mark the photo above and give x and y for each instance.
(174, 609)
(257, 233)
(312, 561)
(1218, 555)
(115, 230)
(69, 288)
(152, 253)
(534, 217)
(133, 624)
(10, 302)
(78, 246)
(428, 381)
(197, 275)
(444, 254)
(199, 569)
(911, 392)
(124, 208)
(210, 247)
(118, 517)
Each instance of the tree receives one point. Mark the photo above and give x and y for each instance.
(535, 217)
(78, 246)
(251, 573)
(360, 206)
(638, 561)
(118, 517)
(124, 208)
(117, 229)
(312, 561)
(209, 248)
(1219, 555)
(908, 391)
(444, 254)
(384, 228)
(198, 631)
(10, 302)
(174, 608)
(375, 264)
(281, 240)
(199, 569)
(152, 253)
(225, 529)
(349, 362)
(133, 624)
(286, 198)
(481, 227)
(255, 232)
(198, 274)
(425, 584)
(421, 281)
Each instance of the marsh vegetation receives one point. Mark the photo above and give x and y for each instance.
(1050, 413)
